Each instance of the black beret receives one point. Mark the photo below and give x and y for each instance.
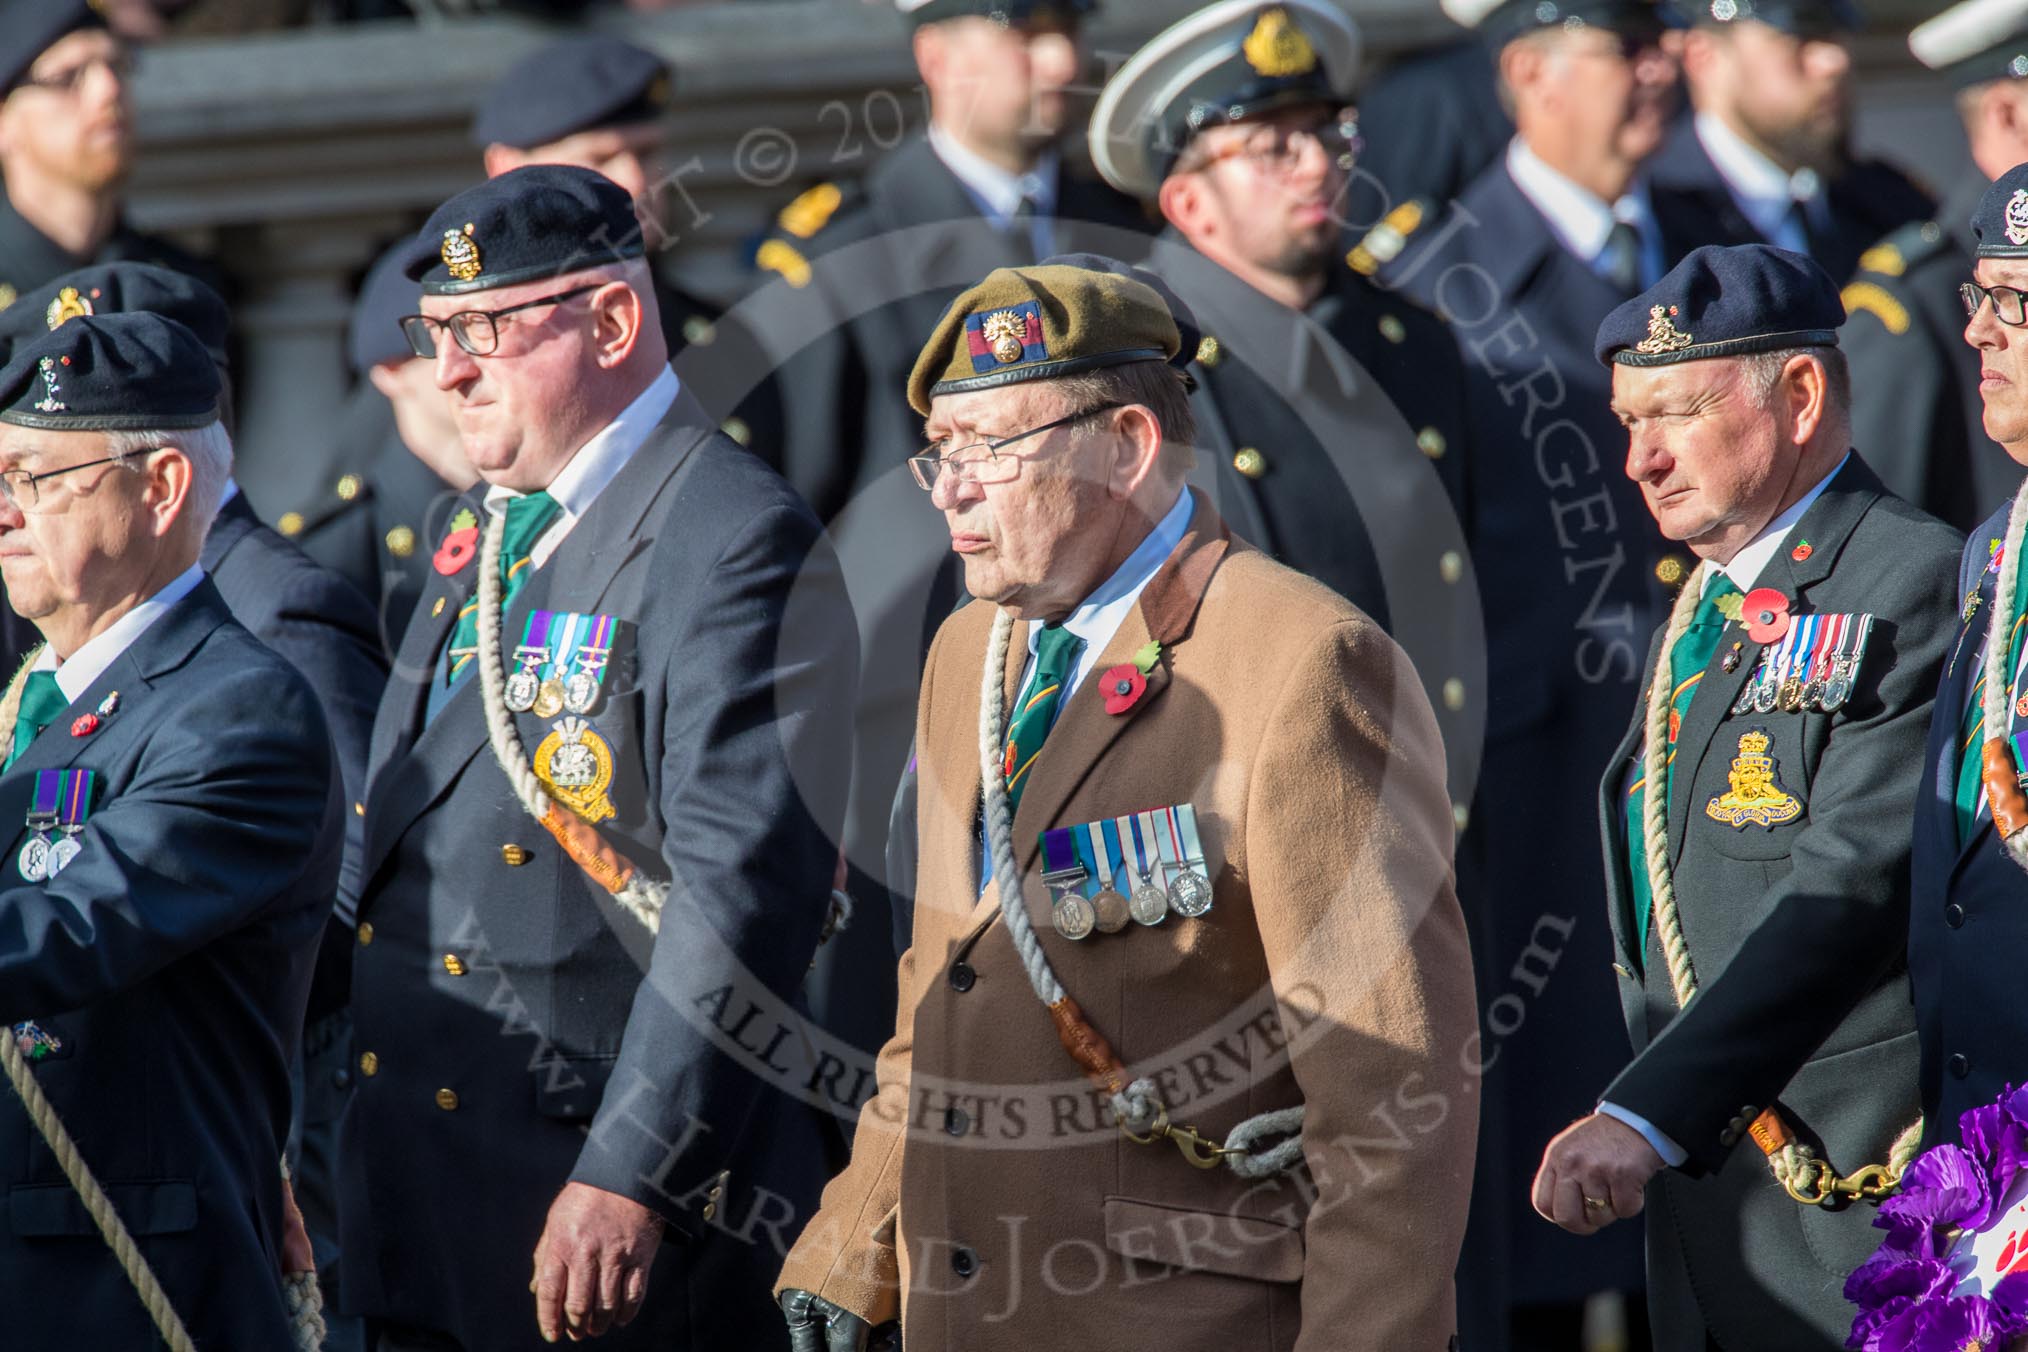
(1802, 18)
(1725, 301)
(542, 220)
(1974, 42)
(2001, 222)
(1187, 328)
(122, 372)
(1225, 63)
(1642, 20)
(28, 28)
(572, 86)
(920, 12)
(119, 288)
(386, 296)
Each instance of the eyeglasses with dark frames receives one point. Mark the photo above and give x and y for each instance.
(476, 331)
(980, 462)
(2010, 305)
(18, 486)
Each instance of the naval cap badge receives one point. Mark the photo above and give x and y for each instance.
(460, 253)
(1277, 48)
(67, 306)
(1663, 335)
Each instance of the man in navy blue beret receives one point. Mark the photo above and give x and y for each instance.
(162, 899)
(1759, 911)
(1968, 931)
(66, 145)
(606, 782)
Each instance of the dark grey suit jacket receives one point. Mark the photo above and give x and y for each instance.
(1796, 933)
(170, 961)
(518, 986)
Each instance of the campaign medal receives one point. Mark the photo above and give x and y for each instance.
(1845, 663)
(581, 687)
(1189, 889)
(1063, 873)
(1149, 904)
(1109, 908)
(1767, 689)
(1817, 669)
(532, 652)
(74, 801)
(42, 811)
(549, 698)
(575, 765)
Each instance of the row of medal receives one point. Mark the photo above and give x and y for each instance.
(62, 802)
(560, 663)
(1138, 868)
(1811, 669)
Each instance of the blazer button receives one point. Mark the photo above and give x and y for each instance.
(454, 964)
(513, 855)
(710, 1210)
(365, 933)
(447, 1099)
(963, 978)
(956, 1122)
(1958, 1066)
(1954, 916)
(964, 1262)
(369, 1064)
(1728, 1138)
(341, 1078)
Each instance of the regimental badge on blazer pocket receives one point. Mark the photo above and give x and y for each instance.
(40, 1040)
(1142, 867)
(561, 670)
(1763, 800)
(57, 809)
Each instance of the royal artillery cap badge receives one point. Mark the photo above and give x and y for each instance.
(1663, 335)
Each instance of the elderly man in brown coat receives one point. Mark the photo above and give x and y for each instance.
(1186, 1046)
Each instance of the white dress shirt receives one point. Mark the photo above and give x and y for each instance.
(997, 193)
(1766, 194)
(1582, 219)
(89, 662)
(1744, 569)
(596, 463)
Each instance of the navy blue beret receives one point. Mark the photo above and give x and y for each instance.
(572, 86)
(385, 298)
(115, 288)
(541, 220)
(1186, 321)
(123, 372)
(920, 12)
(1725, 301)
(1802, 18)
(2001, 222)
(1642, 20)
(28, 28)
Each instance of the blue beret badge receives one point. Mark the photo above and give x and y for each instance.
(1663, 335)
(2017, 217)
(68, 305)
(460, 253)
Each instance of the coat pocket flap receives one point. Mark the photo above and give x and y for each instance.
(1205, 1241)
(164, 1208)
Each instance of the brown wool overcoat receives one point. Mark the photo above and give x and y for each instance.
(1332, 971)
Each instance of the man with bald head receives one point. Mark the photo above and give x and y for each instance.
(601, 816)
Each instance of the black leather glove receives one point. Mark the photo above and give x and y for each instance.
(816, 1325)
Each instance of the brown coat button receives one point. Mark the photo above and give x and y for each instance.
(447, 1099)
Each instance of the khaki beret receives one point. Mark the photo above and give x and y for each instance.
(1037, 324)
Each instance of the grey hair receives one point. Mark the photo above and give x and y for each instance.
(1761, 371)
(1156, 386)
(209, 450)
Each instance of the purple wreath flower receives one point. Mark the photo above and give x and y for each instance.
(1891, 1274)
(1943, 1190)
(1958, 1324)
(1997, 1137)
(2009, 1298)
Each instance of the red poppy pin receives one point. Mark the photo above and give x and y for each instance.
(1802, 551)
(84, 725)
(1766, 612)
(461, 546)
(1124, 684)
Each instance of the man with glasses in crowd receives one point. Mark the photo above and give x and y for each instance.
(1235, 123)
(600, 825)
(1967, 928)
(66, 144)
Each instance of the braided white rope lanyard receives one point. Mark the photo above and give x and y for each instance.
(300, 1292)
(1999, 648)
(1795, 1165)
(640, 895)
(1136, 1107)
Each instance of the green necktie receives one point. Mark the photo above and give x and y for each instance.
(1972, 724)
(1056, 650)
(42, 699)
(1687, 661)
(528, 517)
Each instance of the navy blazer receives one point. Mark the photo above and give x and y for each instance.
(169, 963)
(508, 1040)
(1968, 915)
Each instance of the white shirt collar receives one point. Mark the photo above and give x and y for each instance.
(597, 462)
(1763, 189)
(997, 192)
(1748, 564)
(1100, 615)
(1580, 217)
(90, 661)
